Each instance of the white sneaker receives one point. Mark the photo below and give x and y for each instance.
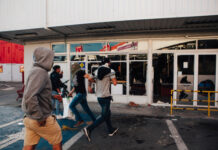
(113, 132)
(59, 117)
(87, 134)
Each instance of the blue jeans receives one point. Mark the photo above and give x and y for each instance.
(55, 104)
(105, 115)
(80, 98)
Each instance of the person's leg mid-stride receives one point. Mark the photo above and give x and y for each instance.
(86, 108)
(80, 98)
(105, 116)
(55, 104)
(76, 100)
(51, 132)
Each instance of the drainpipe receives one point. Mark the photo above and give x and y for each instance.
(46, 15)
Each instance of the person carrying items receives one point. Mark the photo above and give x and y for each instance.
(78, 78)
(37, 105)
(55, 77)
(103, 76)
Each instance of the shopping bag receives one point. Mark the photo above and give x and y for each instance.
(67, 112)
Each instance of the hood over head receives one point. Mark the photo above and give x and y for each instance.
(43, 57)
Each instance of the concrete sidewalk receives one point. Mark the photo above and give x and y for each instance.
(151, 111)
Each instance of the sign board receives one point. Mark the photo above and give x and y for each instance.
(1, 68)
(21, 68)
(185, 65)
(118, 89)
(82, 65)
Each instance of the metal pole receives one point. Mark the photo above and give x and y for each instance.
(208, 104)
(171, 105)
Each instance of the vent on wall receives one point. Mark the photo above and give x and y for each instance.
(25, 35)
(98, 29)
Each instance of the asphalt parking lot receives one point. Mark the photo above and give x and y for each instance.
(136, 132)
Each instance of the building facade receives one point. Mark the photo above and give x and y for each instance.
(154, 45)
(11, 61)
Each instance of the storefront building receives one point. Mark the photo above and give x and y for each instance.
(152, 50)
(11, 61)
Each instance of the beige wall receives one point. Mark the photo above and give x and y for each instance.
(11, 72)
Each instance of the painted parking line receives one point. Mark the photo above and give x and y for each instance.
(73, 140)
(69, 137)
(176, 136)
(10, 123)
(6, 95)
(12, 139)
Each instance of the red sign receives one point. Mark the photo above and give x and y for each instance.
(105, 48)
(128, 46)
(11, 53)
(79, 48)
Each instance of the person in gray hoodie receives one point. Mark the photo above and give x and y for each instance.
(37, 104)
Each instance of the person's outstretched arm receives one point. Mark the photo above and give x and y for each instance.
(71, 92)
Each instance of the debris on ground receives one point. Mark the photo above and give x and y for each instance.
(160, 102)
(132, 104)
(64, 127)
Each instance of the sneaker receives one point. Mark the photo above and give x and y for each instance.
(79, 123)
(113, 132)
(87, 134)
(59, 117)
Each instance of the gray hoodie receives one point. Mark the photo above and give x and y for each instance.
(36, 101)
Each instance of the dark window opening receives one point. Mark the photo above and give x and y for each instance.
(208, 44)
(181, 46)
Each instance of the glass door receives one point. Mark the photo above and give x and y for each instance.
(185, 79)
(206, 78)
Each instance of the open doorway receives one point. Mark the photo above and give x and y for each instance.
(163, 77)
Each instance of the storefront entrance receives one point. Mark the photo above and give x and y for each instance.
(163, 77)
(185, 66)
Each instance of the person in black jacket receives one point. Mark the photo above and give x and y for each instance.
(55, 77)
(78, 78)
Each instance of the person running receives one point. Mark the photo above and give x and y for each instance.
(78, 77)
(37, 105)
(55, 77)
(103, 76)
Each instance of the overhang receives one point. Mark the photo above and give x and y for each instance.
(168, 25)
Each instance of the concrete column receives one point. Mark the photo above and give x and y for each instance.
(150, 74)
(195, 94)
(175, 75)
(128, 74)
(216, 95)
(68, 67)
